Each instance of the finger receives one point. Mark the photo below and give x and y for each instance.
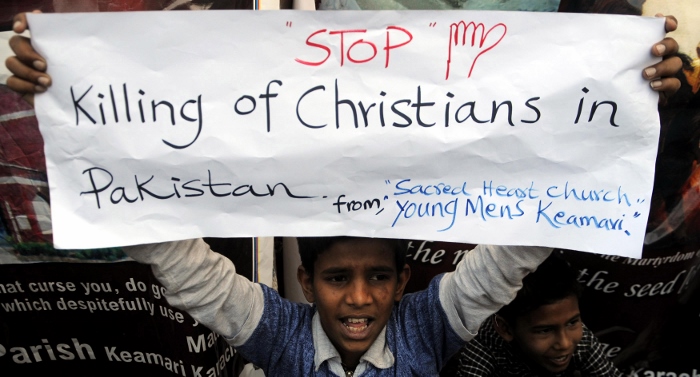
(19, 23)
(668, 46)
(665, 68)
(667, 86)
(23, 86)
(25, 73)
(664, 96)
(26, 54)
(671, 22)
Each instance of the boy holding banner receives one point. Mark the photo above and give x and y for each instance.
(361, 323)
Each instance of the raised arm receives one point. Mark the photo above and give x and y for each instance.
(205, 285)
(485, 280)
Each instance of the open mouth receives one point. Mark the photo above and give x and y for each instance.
(356, 326)
(561, 360)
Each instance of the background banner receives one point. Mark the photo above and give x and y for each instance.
(100, 320)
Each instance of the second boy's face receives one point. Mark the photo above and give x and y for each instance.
(354, 287)
(549, 335)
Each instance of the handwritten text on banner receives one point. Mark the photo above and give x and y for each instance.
(479, 127)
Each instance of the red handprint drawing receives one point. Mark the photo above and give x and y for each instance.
(477, 40)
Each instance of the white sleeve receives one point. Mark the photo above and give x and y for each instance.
(485, 280)
(205, 285)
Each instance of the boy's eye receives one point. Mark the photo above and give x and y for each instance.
(542, 331)
(336, 278)
(574, 322)
(379, 277)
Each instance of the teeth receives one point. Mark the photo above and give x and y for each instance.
(357, 320)
(356, 325)
(355, 328)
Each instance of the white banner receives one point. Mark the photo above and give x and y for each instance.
(478, 127)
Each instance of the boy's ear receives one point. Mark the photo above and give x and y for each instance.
(403, 277)
(503, 328)
(306, 282)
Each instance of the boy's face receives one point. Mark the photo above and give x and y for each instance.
(354, 287)
(549, 335)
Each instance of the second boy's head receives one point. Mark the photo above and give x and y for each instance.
(544, 321)
(354, 283)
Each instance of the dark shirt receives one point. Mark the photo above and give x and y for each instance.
(490, 355)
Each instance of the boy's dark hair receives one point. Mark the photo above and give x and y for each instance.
(311, 247)
(553, 280)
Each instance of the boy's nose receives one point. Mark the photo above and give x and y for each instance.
(564, 340)
(358, 294)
